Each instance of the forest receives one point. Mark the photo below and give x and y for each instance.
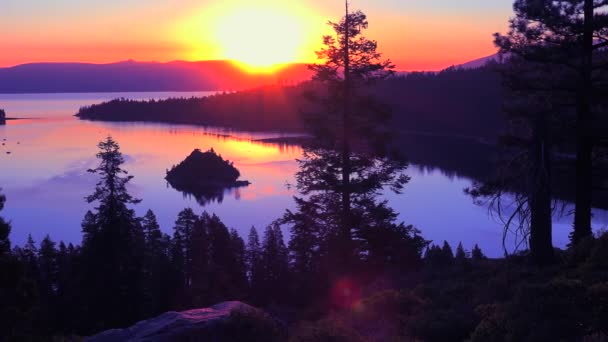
(418, 100)
(349, 270)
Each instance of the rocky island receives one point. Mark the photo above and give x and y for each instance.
(205, 175)
(2, 117)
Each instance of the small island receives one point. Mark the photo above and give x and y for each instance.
(205, 175)
(2, 117)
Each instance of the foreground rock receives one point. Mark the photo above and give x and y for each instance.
(227, 321)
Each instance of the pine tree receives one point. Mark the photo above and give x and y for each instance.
(112, 247)
(237, 265)
(564, 41)
(69, 292)
(347, 165)
(477, 254)
(461, 253)
(447, 253)
(253, 258)
(200, 249)
(156, 267)
(5, 231)
(275, 265)
(29, 257)
(182, 252)
(47, 283)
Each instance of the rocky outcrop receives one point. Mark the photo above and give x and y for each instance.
(206, 324)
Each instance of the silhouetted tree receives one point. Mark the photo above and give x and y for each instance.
(47, 283)
(253, 258)
(446, 249)
(275, 265)
(182, 252)
(5, 231)
(347, 165)
(221, 270)
(477, 254)
(461, 253)
(568, 38)
(112, 247)
(69, 290)
(200, 249)
(156, 267)
(237, 265)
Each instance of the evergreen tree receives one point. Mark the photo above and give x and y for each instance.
(275, 265)
(47, 283)
(563, 38)
(28, 255)
(237, 265)
(5, 231)
(219, 258)
(461, 253)
(69, 291)
(112, 246)
(253, 258)
(182, 252)
(477, 254)
(156, 267)
(348, 164)
(447, 252)
(201, 281)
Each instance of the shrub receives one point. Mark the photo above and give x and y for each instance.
(324, 331)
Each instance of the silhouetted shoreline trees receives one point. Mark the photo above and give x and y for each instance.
(419, 101)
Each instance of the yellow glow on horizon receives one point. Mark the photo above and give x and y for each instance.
(258, 38)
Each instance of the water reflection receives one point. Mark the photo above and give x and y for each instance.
(45, 176)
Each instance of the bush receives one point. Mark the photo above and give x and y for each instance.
(324, 331)
(439, 324)
(554, 311)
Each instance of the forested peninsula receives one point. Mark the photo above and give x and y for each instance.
(453, 102)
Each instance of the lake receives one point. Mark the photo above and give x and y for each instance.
(45, 175)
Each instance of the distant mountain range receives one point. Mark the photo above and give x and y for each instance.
(140, 76)
(150, 76)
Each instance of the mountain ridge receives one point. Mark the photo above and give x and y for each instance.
(130, 75)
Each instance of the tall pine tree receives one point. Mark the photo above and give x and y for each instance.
(350, 161)
(112, 247)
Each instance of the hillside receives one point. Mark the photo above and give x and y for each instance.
(132, 76)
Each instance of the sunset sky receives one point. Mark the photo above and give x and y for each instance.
(415, 34)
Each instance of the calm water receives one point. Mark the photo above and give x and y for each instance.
(45, 178)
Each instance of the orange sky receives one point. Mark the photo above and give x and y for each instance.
(415, 34)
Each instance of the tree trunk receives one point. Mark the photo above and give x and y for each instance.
(582, 216)
(346, 237)
(541, 244)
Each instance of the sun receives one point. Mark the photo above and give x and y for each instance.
(260, 39)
